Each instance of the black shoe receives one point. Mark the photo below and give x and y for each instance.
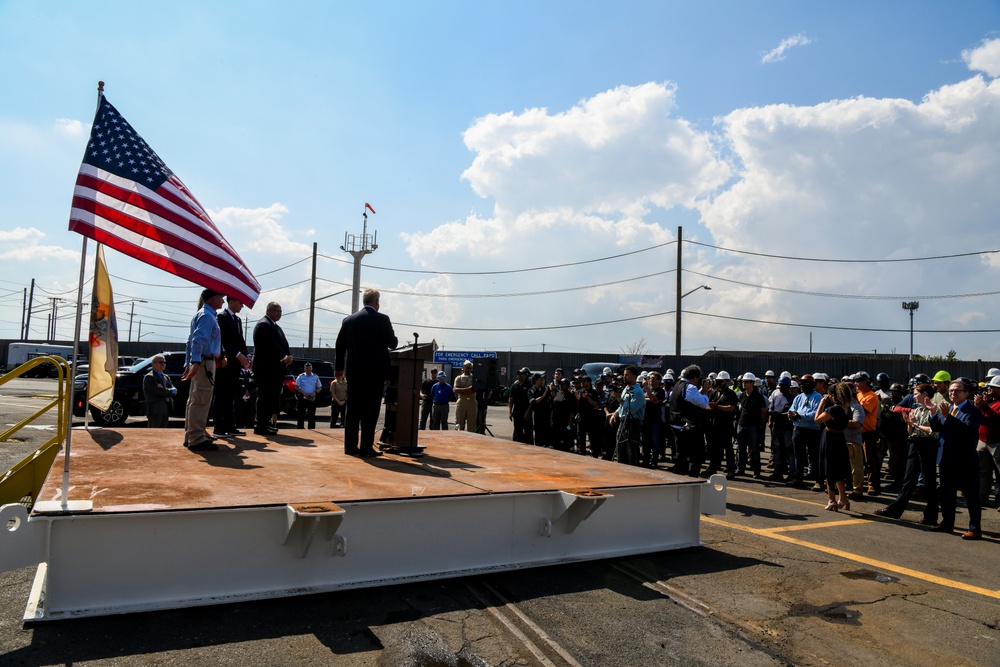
(235, 432)
(352, 452)
(856, 495)
(204, 446)
(219, 435)
(884, 512)
(370, 454)
(265, 431)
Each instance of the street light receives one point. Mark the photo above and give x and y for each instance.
(911, 306)
(677, 346)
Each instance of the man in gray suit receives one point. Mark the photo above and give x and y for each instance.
(159, 393)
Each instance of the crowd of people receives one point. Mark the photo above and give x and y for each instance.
(850, 437)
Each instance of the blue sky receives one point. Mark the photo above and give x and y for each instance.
(499, 136)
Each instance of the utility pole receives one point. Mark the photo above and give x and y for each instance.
(911, 306)
(24, 312)
(131, 314)
(312, 298)
(27, 321)
(358, 247)
(677, 308)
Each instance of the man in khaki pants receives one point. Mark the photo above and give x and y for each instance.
(203, 347)
(466, 410)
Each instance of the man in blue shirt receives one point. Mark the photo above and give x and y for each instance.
(203, 346)
(629, 418)
(307, 386)
(441, 397)
(805, 437)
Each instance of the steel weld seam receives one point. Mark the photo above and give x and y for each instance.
(514, 630)
(847, 555)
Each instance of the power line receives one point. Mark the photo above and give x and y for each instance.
(505, 329)
(495, 273)
(845, 261)
(288, 266)
(837, 328)
(510, 294)
(843, 296)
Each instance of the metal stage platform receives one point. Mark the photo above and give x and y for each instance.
(294, 515)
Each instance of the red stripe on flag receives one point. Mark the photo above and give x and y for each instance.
(163, 262)
(144, 202)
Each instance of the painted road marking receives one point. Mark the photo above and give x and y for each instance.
(777, 534)
(813, 526)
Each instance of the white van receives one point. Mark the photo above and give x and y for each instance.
(19, 353)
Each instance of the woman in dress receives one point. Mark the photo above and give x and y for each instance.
(834, 463)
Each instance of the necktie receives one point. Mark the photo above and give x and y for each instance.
(954, 410)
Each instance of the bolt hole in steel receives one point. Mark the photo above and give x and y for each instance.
(870, 576)
(13, 524)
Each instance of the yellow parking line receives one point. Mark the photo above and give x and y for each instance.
(820, 497)
(846, 555)
(813, 526)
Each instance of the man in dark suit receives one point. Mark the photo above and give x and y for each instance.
(958, 423)
(228, 377)
(159, 393)
(365, 339)
(271, 356)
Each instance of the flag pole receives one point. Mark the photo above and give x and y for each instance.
(64, 504)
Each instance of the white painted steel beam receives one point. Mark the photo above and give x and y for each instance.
(97, 564)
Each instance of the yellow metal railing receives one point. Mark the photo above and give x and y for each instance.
(25, 479)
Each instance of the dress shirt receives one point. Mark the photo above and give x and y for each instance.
(206, 337)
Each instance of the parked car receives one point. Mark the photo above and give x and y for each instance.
(323, 369)
(129, 399)
(125, 363)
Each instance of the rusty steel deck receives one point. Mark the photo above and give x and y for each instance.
(149, 469)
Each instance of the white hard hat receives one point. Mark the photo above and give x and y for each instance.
(748, 376)
(785, 374)
(994, 381)
(795, 384)
(723, 375)
(993, 372)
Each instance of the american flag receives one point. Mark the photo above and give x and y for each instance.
(128, 199)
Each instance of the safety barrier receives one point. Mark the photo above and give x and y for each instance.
(22, 483)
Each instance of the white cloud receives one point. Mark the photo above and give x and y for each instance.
(618, 149)
(23, 244)
(778, 53)
(73, 129)
(259, 230)
(984, 58)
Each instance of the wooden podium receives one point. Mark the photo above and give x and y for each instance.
(402, 398)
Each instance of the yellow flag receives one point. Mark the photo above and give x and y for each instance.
(103, 339)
